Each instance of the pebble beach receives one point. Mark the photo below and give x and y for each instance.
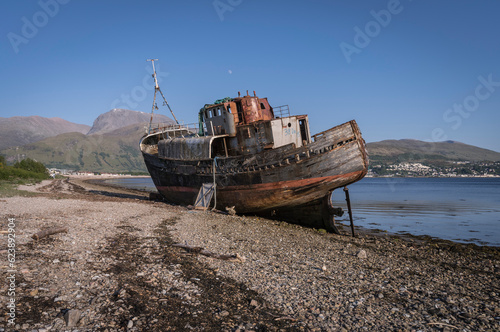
(119, 268)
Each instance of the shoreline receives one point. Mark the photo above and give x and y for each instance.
(436, 177)
(345, 227)
(116, 269)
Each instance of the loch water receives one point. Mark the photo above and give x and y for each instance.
(459, 209)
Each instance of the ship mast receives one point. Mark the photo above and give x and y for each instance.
(157, 89)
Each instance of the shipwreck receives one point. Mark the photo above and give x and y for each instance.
(256, 159)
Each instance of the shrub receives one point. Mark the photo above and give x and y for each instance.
(32, 166)
(12, 173)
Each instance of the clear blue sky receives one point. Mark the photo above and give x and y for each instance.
(403, 69)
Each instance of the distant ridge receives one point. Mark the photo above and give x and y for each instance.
(119, 118)
(110, 145)
(115, 152)
(420, 151)
(21, 130)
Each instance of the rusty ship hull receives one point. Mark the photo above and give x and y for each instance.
(288, 182)
(254, 158)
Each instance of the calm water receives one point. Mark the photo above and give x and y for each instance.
(459, 209)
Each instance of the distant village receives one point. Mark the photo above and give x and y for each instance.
(404, 169)
(454, 169)
(67, 172)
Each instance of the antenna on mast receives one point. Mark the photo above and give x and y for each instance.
(154, 72)
(157, 89)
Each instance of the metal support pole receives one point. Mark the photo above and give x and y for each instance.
(152, 111)
(215, 184)
(165, 100)
(346, 190)
(157, 89)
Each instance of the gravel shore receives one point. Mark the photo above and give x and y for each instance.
(116, 269)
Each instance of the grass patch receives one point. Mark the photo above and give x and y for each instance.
(12, 177)
(9, 189)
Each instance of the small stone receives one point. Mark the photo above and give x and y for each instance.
(361, 254)
(130, 324)
(254, 303)
(464, 315)
(224, 313)
(83, 321)
(231, 210)
(58, 324)
(72, 317)
(55, 261)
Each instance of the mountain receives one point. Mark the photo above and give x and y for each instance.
(21, 130)
(119, 118)
(395, 151)
(115, 152)
(111, 145)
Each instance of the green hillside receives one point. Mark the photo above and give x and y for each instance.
(115, 152)
(407, 150)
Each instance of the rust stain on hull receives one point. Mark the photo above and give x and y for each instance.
(259, 197)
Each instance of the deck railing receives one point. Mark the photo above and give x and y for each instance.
(281, 111)
(175, 130)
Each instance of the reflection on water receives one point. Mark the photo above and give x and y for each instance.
(464, 210)
(142, 183)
